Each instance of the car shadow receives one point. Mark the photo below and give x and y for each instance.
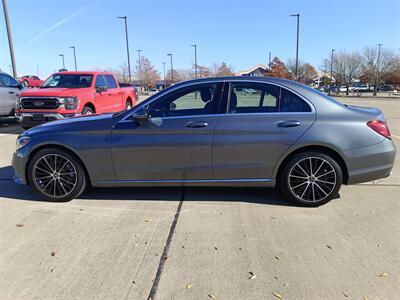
(11, 190)
(9, 126)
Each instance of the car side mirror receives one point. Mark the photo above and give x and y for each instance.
(141, 115)
(100, 89)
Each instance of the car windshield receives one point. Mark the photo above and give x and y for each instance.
(74, 81)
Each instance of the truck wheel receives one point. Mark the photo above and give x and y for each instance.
(128, 105)
(87, 111)
(310, 179)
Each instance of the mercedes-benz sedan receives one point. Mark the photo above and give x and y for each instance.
(232, 131)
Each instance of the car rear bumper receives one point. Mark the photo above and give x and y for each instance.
(370, 163)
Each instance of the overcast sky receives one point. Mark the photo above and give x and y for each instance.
(238, 32)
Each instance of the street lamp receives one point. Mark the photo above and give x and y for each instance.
(269, 60)
(127, 46)
(63, 61)
(333, 50)
(377, 68)
(165, 83)
(172, 69)
(297, 44)
(195, 59)
(10, 41)
(73, 48)
(140, 68)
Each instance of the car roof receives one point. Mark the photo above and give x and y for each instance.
(84, 72)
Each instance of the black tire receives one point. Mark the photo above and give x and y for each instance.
(79, 178)
(319, 188)
(87, 111)
(128, 105)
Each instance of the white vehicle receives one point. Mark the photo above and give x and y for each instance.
(153, 92)
(9, 90)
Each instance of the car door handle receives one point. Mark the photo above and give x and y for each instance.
(194, 124)
(10, 92)
(291, 123)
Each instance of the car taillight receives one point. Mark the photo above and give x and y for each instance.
(379, 127)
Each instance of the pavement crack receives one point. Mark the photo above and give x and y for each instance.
(164, 255)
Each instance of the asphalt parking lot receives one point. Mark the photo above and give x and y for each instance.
(199, 243)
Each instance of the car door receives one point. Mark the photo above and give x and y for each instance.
(9, 90)
(114, 94)
(261, 123)
(175, 143)
(103, 103)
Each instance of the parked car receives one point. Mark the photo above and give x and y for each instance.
(204, 132)
(359, 88)
(153, 92)
(69, 94)
(9, 90)
(385, 88)
(30, 81)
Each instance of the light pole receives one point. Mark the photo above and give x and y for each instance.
(269, 60)
(165, 83)
(333, 50)
(297, 44)
(10, 42)
(172, 69)
(195, 60)
(73, 48)
(63, 61)
(140, 68)
(377, 68)
(127, 46)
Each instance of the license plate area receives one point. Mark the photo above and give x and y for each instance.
(38, 117)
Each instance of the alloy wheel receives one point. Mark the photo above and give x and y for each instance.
(55, 175)
(312, 179)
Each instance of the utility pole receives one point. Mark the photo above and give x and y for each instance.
(333, 50)
(195, 60)
(140, 68)
(10, 42)
(127, 47)
(165, 82)
(297, 44)
(172, 69)
(63, 61)
(73, 48)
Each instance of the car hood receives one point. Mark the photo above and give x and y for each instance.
(51, 92)
(75, 124)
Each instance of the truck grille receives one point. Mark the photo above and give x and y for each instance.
(39, 103)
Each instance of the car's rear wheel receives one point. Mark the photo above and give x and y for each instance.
(56, 175)
(87, 111)
(310, 179)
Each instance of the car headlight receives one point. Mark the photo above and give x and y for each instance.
(69, 103)
(22, 141)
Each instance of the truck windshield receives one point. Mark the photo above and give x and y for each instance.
(74, 81)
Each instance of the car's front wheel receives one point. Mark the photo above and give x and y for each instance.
(56, 175)
(310, 179)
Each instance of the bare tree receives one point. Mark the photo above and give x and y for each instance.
(378, 64)
(222, 69)
(346, 68)
(306, 73)
(146, 73)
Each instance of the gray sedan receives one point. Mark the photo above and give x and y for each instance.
(232, 131)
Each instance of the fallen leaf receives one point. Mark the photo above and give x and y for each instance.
(41, 264)
(277, 257)
(52, 253)
(20, 225)
(252, 276)
(52, 269)
(329, 247)
(379, 245)
(277, 295)
(133, 281)
(285, 284)
(365, 298)
(276, 277)
(211, 296)
(147, 220)
(189, 286)
(240, 248)
(215, 248)
(344, 293)
(81, 209)
(384, 274)
(183, 247)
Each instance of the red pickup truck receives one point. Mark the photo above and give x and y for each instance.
(69, 94)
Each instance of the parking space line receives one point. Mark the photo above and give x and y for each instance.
(398, 137)
(164, 256)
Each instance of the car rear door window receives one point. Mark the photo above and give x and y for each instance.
(110, 82)
(253, 98)
(290, 102)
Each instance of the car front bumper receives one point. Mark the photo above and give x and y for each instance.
(31, 119)
(19, 163)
